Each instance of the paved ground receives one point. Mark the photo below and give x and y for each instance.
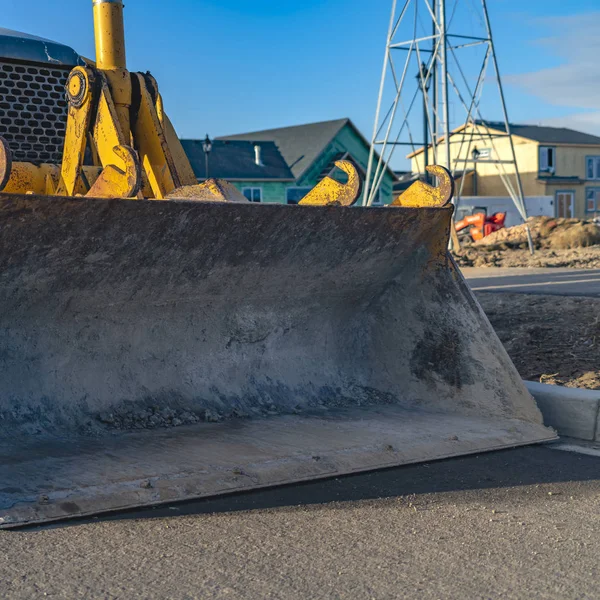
(561, 282)
(513, 524)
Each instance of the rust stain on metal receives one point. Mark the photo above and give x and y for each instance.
(422, 195)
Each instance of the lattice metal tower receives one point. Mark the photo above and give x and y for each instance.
(436, 62)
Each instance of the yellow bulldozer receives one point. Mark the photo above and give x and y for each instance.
(164, 339)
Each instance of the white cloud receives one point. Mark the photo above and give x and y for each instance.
(576, 82)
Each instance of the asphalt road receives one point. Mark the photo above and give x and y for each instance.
(560, 282)
(521, 523)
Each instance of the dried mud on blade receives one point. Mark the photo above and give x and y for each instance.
(303, 342)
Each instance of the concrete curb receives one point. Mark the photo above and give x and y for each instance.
(573, 412)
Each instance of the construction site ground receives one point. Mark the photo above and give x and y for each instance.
(552, 339)
(494, 256)
(557, 242)
(521, 523)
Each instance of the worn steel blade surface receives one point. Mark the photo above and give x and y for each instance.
(342, 333)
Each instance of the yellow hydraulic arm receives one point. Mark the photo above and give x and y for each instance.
(121, 113)
(118, 115)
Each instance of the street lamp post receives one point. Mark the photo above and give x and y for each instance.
(475, 155)
(207, 147)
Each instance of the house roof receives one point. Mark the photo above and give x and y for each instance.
(235, 159)
(537, 133)
(300, 145)
(544, 134)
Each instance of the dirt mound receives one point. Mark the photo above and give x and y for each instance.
(492, 256)
(575, 235)
(551, 339)
(558, 243)
(546, 232)
(510, 236)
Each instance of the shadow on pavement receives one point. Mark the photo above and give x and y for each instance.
(502, 469)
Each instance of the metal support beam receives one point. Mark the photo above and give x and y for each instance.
(429, 29)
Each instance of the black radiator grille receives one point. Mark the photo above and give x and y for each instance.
(33, 110)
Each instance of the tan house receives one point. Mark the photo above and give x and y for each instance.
(553, 161)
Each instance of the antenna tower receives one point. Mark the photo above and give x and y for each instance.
(437, 59)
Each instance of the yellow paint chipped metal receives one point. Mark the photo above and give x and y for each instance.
(332, 192)
(79, 95)
(115, 182)
(212, 190)
(422, 195)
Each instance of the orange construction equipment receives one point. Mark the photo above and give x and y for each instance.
(481, 225)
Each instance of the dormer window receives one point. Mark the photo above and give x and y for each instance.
(547, 159)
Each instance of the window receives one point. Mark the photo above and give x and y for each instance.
(592, 199)
(592, 167)
(377, 199)
(547, 159)
(253, 194)
(293, 195)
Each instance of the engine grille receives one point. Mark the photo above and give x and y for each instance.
(33, 110)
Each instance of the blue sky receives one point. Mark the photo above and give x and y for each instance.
(229, 66)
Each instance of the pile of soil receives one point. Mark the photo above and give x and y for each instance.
(488, 256)
(558, 243)
(546, 232)
(552, 339)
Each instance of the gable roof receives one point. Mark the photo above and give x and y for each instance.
(300, 145)
(545, 134)
(234, 159)
(537, 133)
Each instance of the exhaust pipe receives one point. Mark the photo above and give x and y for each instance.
(109, 33)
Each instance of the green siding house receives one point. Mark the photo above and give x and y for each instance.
(282, 165)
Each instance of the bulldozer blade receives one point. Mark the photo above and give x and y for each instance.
(154, 352)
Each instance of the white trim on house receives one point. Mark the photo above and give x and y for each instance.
(592, 164)
(547, 159)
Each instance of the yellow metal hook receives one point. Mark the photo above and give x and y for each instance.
(422, 195)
